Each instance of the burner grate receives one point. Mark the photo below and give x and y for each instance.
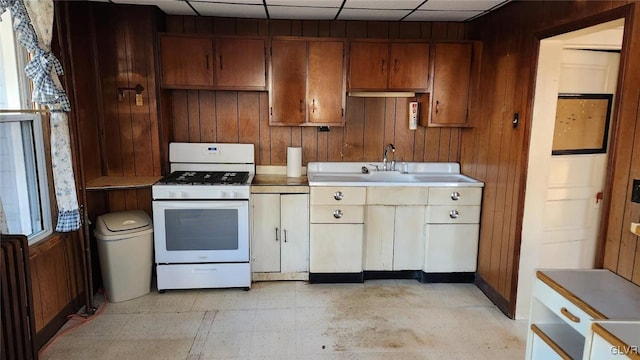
(206, 178)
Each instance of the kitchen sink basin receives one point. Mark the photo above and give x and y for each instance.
(346, 174)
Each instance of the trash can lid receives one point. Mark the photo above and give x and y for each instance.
(126, 220)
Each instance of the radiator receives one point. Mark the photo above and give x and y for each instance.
(18, 330)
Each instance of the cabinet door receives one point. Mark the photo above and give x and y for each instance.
(288, 82)
(335, 248)
(451, 81)
(186, 61)
(451, 248)
(369, 65)
(294, 216)
(326, 97)
(378, 237)
(408, 238)
(265, 241)
(240, 64)
(409, 66)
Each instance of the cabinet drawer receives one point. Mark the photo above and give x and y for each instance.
(401, 195)
(452, 215)
(337, 214)
(332, 195)
(455, 196)
(562, 308)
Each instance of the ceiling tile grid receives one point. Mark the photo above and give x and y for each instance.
(381, 10)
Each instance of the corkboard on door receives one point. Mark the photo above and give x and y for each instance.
(582, 124)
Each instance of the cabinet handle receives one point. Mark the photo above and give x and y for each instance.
(337, 214)
(271, 111)
(285, 235)
(338, 195)
(220, 62)
(300, 105)
(206, 60)
(454, 214)
(437, 106)
(569, 315)
(395, 65)
(455, 196)
(276, 234)
(313, 106)
(382, 67)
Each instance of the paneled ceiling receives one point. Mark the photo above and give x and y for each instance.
(384, 10)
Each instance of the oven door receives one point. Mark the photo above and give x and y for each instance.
(201, 231)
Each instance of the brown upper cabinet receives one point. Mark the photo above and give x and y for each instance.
(389, 65)
(220, 63)
(455, 71)
(307, 82)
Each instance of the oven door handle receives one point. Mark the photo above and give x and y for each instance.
(207, 204)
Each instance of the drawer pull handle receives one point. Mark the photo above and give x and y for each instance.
(338, 195)
(454, 214)
(337, 214)
(455, 196)
(569, 315)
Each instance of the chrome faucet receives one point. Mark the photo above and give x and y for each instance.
(385, 154)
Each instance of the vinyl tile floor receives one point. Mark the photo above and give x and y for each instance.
(381, 319)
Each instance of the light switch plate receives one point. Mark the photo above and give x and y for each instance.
(635, 228)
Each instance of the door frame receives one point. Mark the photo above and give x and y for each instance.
(624, 12)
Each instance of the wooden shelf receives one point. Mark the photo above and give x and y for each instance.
(121, 182)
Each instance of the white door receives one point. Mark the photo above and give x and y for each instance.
(542, 244)
(294, 215)
(408, 238)
(572, 208)
(265, 242)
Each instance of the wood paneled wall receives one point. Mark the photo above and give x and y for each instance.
(497, 153)
(232, 116)
(125, 39)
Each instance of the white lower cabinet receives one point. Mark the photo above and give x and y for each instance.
(451, 248)
(337, 226)
(452, 230)
(280, 238)
(336, 248)
(394, 237)
(583, 314)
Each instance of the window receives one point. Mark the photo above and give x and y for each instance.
(24, 192)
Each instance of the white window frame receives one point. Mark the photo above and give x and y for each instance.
(36, 120)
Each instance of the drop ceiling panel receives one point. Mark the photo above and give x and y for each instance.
(383, 4)
(302, 12)
(229, 10)
(453, 5)
(174, 7)
(309, 3)
(421, 15)
(369, 14)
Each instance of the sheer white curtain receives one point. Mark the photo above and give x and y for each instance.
(33, 22)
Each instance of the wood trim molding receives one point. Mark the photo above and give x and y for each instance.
(502, 303)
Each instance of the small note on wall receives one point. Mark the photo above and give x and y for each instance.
(582, 124)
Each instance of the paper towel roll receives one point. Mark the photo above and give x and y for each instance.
(294, 161)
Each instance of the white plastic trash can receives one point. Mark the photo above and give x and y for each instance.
(125, 246)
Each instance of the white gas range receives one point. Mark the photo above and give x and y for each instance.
(201, 217)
